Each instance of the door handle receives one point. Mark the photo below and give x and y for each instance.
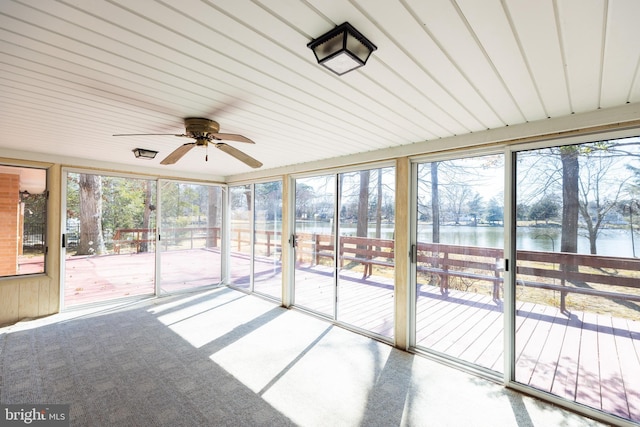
(413, 254)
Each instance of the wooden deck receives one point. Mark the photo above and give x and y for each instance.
(588, 358)
(90, 279)
(584, 357)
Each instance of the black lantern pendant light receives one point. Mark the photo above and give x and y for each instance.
(342, 49)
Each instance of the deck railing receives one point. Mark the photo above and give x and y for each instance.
(140, 238)
(595, 275)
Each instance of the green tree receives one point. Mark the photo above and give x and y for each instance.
(544, 210)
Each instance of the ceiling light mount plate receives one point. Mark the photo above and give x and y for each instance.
(342, 49)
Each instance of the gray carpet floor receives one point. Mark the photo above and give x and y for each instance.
(224, 358)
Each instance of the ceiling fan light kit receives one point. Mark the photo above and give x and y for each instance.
(204, 131)
(342, 49)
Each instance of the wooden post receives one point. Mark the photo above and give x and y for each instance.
(315, 256)
(444, 283)
(268, 244)
(401, 245)
(496, 284)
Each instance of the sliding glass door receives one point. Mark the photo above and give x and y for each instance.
(577, 292)
(315, 255)
(190, 235)
(267, 238)
(458, 254)
(255, 248)
(344, 248)
(366, 256)
(109, 237)
(240, 248)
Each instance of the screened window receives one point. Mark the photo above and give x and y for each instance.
(23, 218)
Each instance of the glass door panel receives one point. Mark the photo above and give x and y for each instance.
(315, 244)
(267, 250)
(366, 256)
(577, 293)
(240, 238)
(190, 235)
(110, 238)
(459, 254)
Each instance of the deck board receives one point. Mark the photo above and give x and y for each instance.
(565, 380)
(613, 393)
(485, 352)
(629, 365)
(544, 372)
(588, 389)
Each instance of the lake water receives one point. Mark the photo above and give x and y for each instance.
(611, 242)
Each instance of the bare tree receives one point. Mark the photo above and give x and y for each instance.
(588, 190)
(435, 203)
(599, 194)
(457, 199)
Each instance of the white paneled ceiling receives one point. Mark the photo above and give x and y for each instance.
(75, 72)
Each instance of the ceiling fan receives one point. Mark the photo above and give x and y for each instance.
(205, 132)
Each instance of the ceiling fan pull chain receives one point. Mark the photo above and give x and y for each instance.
(206, 155)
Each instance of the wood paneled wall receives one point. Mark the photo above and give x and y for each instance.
(36, 295)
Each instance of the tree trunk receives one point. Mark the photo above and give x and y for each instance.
(363, 205)
(91, 241)
(435, 203)
(379, 207)
(146, 217)
(247, 193)
(570, 208)
(212, 218)
(570, 200)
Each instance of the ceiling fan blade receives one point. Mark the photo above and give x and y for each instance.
(232, 137)
(178, 153)
(149, 134)
(245, 158)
